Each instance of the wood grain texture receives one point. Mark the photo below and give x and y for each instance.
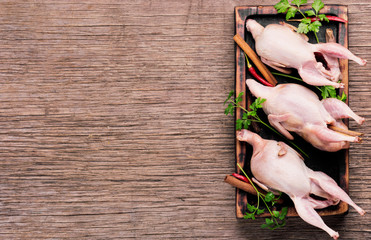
(112, 123)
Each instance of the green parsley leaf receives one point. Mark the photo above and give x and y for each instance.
(323, 17)
(324, 93)
(276, 214)
(251, 208)
(303, 28)
(343, 97)
(252, 113)
(246, 123)
(259, 211)
(269, 221)
(282, 6)
(229, 96)
(229, 109)
(314, 26)
(291, 13)
(328, 91)
(249, 216)
(269, 197)
(239, 123)
(306, 20)
(283, 213)
(264, 226)
(317, 5)
(257, 103)
(239, 97)
(310, 13)
(298, 2)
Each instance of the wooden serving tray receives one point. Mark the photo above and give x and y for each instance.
(333, 164)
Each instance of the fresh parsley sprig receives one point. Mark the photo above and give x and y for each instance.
(306, 25)
(251, 116)
(277, 219)
(330, 92)
(248, 116)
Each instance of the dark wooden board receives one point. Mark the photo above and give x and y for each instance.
(333, 164)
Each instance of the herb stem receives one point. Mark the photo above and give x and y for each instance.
(286, 75)
(315, 34)
(271, 213)
(257, 206)
(279, 134)
(252, 184)
(301, 13)
(292, 77)
(238, 106)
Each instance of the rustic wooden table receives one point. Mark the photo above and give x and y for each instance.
(113, 125)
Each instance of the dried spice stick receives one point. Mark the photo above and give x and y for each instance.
(252, 55)
(240, 184)
(346, 131)
(245, 186)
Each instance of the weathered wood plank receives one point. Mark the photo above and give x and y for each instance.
(112, 122)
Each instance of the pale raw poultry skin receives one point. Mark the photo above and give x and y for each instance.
(292, 107)
(282, 48)
(278, 167)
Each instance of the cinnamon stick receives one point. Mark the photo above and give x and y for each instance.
(245, 186)
(346, 131)
(252, 55)
(240, 184)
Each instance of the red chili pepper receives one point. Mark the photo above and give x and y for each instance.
(240, 177)
(253, 72)
(330, 18)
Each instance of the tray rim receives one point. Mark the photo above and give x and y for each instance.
(334, 9)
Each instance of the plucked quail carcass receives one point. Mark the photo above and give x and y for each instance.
(278, 167)
(282, 48)
(292, 107)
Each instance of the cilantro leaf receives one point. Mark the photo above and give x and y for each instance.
(291, 13)
(282, 6)
(317, 5)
